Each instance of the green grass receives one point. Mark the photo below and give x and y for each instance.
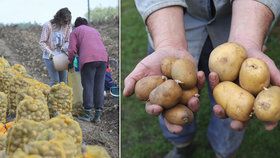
(101, 15)
(141, 135)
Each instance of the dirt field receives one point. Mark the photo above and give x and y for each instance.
(19, 44)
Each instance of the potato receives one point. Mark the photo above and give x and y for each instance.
(187, 95)
(95, 151)
(166, 94)
(178, 115)
(267, 104)
(254, 75)
(184, 70)
(237, 102)
(226, 60)
(145, 85)
(166, 66)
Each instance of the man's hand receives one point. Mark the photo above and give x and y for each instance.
(151, 66)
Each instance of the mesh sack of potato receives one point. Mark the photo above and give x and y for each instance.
(63, 123)
(44, 88)
(31, 91)
(19, 83)
(21, 154)
(4, 63)
(32, 109)
(45, 149)
(19, 68)
(64, 139)
(60, 99)
(6, 79)
(3, 107)
(21, 133)
(95, 151)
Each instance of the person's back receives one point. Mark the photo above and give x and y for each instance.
(86, 42)
(90, 45)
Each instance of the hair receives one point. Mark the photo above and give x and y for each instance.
(80, 21)
(62, 17)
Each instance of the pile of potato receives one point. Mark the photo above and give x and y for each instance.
(245, 87)
(16, 84)
(60, 137)
(171, 91)
(34, 133)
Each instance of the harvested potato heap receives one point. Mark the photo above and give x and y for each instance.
(172, 91)
(32, 109)
(37, 138)
(229, 61)
(3, 107)
(60, 99)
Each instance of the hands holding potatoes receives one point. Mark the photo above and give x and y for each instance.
(253, 71)
(162, 93)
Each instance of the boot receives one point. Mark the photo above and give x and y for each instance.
(86, 115)
(97, 116)
(181, 152)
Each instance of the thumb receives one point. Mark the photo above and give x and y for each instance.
(274, 72)
(274, 75)
(130, 81)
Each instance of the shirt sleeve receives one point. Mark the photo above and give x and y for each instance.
(147, 7)
(273, 5)
(44, 38)
(73, 48)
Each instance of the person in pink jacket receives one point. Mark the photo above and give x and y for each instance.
(86, 42)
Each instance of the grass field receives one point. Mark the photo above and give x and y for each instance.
(141, 135)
